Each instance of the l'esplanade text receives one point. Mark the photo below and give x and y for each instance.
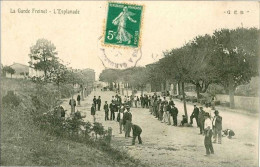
(45, 11)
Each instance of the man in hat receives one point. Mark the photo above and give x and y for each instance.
(174, 112)
(195, 114)
(217, 127)
(93, 112)
(106, 108)
(112, 107)
(136, 133)
(201, 120)
(99, 102)
(208, 135)
(120, 117)
(95, 102)
(127, 119)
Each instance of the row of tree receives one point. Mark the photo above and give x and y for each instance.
(228, 58)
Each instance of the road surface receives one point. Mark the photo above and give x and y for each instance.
(165, 145)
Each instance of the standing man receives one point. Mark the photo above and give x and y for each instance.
(120, 118)
(127, 119)
(201, 120)
(168, 112)
(174, 114)
(72, 103)
(164, 107)
(93, 112)
(135, 100)
(136, 133)
(99, 103)
(78, 100)
(195, 114)
(171, 101)
(142, 101)
(155, 108)
(106, 108)
(217, 127)
(208, 135)
(112, 107)
(95, 102)
(138, 101)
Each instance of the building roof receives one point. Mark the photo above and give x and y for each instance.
(19, 68)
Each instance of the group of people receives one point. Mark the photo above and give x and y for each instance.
(164, 110)
(120, 112)
(210, 126)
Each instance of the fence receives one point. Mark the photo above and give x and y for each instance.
(242, 102)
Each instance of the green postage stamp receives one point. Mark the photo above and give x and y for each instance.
(123, 24)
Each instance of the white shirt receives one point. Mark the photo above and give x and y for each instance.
(207, 123)
(214, 121)
(121, 115)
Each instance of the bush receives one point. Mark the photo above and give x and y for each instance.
(11, 99)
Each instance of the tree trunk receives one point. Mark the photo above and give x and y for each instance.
(178, 88)
(198, 91)
(231, 90)
(184, 101)
(82, 92)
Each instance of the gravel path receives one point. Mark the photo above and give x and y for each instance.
(165, 145)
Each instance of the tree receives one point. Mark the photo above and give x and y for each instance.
(177, 64)
(43, 56)
(8, 69)
(202, 73)
(138, 78)
(110, 76)
(236, 57)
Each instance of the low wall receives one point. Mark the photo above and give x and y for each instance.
(242, 102)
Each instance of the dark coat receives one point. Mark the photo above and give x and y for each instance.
(106, 108)
(201, 117)
(174, 111)
(195, 112)
(218, 123)
(72, 101)
(78, 98)
(98, 101)
(136, 130)
(95, 101)
(112, 107)
(93, 110)
(127, 116)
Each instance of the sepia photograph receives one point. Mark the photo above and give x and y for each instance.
(130, 83)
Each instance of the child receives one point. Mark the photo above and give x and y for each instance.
(136, 133)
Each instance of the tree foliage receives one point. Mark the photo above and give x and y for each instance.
(43, 56)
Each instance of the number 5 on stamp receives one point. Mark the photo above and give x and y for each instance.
(123, 24)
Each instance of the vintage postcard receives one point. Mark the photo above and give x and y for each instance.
(130, 83)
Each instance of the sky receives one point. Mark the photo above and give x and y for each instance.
(165, 25)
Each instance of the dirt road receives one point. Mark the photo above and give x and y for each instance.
(165, 145)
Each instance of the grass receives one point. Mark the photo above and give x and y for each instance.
(23, 144)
